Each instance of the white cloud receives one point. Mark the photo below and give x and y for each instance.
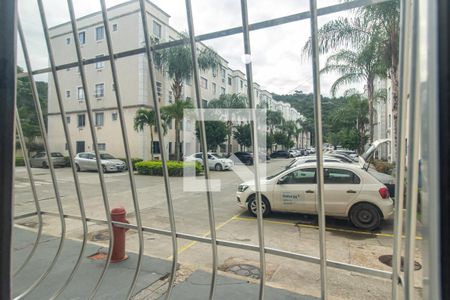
(278, 63)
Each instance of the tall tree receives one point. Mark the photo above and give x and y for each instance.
(178, 64)
(145, 117)
(175, 112)
(26, 107)
(216, 133)
(229, 101)
(274, 120)
(242, 134)
(382, 20)
(363, 64)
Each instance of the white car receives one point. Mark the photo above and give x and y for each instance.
(87, 161)
(311, 158)
(214, 162)
(350, 192)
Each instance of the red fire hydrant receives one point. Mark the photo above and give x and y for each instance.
(118, 254)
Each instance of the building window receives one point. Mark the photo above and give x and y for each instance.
(101, 146)
(242, 84)
(155, 148)
(99, 119)
(222, 73)
(158, 90)
(68, 41)
(204, 83)
(68, 119)
(157, 29)
(170, 96)
(99, 33)
(214, 71)
(229, 80)
(115, 27)
(214, 88)
(114, 116)
(67, 147)
(82, 37)
(99, 90)
(204, 103)
(99, 64)
(67, 94)
(80, 93)
(81, 120)
(222, 90)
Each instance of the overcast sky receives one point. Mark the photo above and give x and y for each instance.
(278, 63)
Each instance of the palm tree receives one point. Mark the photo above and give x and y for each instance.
(145, 117)
(362, 64)
(229, 101)
(274, 120)
(381, 20)
(289, 128)
(178, 64)
(175, 112)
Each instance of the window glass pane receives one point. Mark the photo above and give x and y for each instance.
(157, 29)
(80, 93)
(338, 176)
(99, 90)
(301, 176)
(101, 147)
(81, 121)
(114, 27)
(99, 119)
(82, 37)
(99, 33)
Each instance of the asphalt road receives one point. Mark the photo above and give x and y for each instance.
(288, 232)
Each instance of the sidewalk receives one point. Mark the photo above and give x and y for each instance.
(118, 278)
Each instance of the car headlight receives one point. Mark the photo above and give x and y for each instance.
(242, 187)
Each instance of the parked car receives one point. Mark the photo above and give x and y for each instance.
(40, 160)
(311, 158)
(86, 161)
(280, 153)
(214, 162)
(350, 192)
(242, 157)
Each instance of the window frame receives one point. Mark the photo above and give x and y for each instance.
(97, 114)
(97, 39)
(80, 88)
(354, 176)
(82, 33)
(83, 118)
(103, 90)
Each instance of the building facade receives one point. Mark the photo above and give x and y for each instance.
(127, 34)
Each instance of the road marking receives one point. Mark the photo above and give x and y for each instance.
(186, 247)
(326, 228)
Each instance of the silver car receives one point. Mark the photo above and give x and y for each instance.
(40, 160)
(86, 161)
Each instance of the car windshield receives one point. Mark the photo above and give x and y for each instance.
(56, 154)
(215, 156)
(106, 156)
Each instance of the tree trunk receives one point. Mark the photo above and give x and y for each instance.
(370, 93)
(177, 140)
(177, 88)
(394, 88)
(230, 128)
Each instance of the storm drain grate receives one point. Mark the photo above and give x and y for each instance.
(387, 260)
(245, 270)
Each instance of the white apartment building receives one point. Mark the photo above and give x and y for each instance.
(127, 34)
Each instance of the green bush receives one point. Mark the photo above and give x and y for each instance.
(20, 162)
(154, 167)
(133, 161)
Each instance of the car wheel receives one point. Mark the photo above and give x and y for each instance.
(218, 167)
(252, 206)
(44, 165)
(365, 216)
(77, 166)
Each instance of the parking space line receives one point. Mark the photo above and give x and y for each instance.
(327, 228)
(189, 245)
